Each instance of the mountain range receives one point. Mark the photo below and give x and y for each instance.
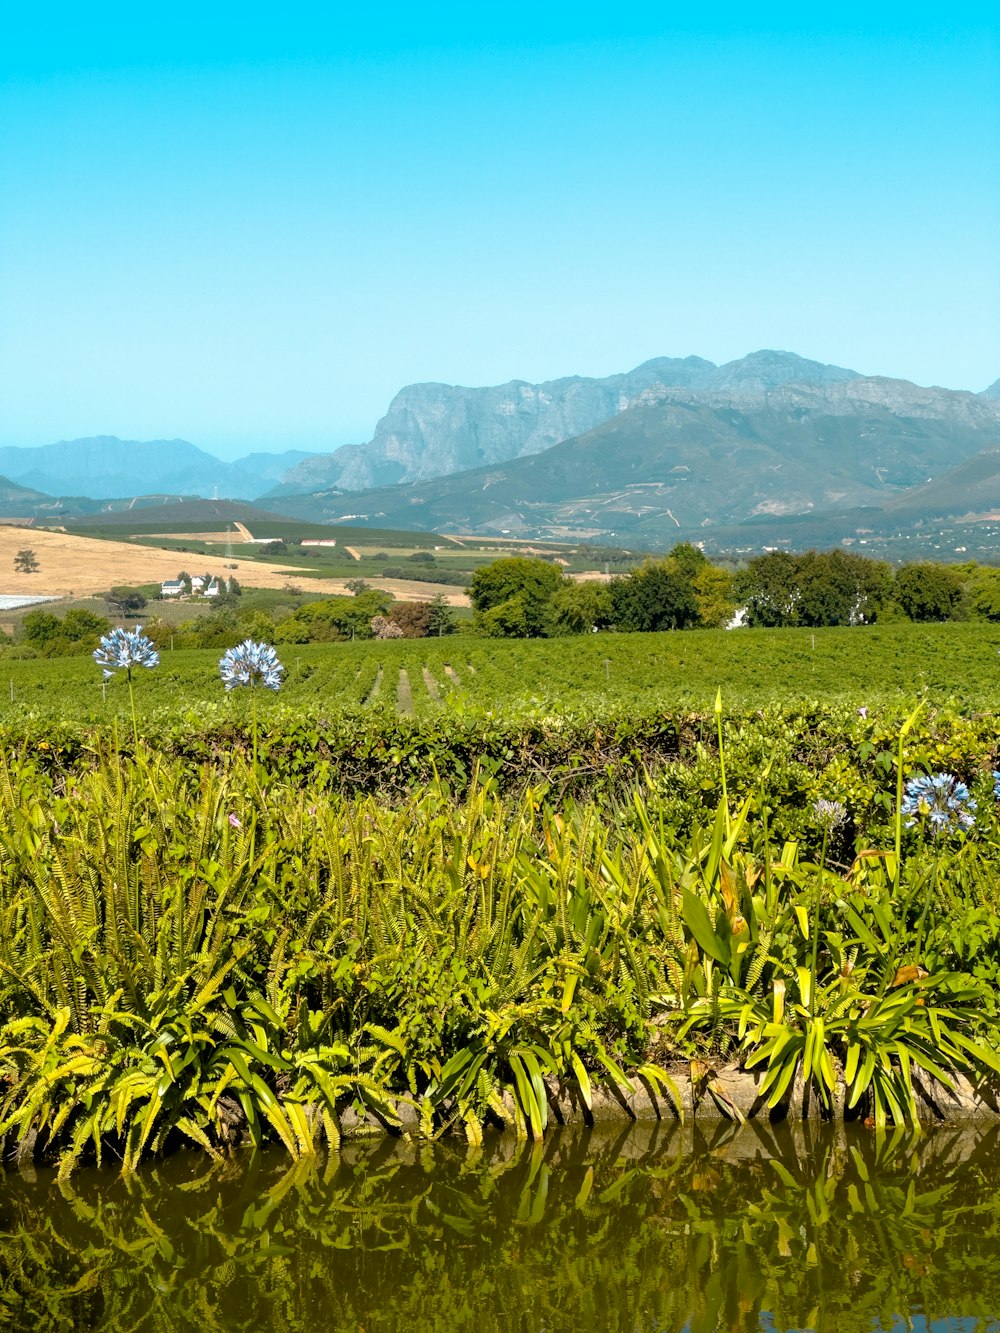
(694, 450)
(678, 446)
(433, 430)
(104, 467)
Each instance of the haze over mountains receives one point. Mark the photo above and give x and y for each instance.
(674, 446)
(104, 467)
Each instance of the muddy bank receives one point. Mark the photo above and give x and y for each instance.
(728, 1094)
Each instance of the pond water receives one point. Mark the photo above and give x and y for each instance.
(652, 1229)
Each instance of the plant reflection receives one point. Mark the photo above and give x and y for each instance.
(649, 1229)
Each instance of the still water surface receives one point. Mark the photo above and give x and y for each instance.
(655, 1229)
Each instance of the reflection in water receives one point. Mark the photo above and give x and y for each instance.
(655, 1229)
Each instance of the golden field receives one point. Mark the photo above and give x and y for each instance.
(75, 566)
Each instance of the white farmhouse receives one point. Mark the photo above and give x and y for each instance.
(171, 587)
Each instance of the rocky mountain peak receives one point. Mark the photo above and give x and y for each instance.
(435, 430)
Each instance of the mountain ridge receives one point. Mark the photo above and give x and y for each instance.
(433, 429)
(712, 460)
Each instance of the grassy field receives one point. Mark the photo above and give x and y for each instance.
(594, 674)
(72, 566)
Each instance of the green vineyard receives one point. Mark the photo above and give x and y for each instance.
(597, 674)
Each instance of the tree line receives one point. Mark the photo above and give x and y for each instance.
(526, 598)
(522, 597)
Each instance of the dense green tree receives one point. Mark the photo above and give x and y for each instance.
(981, 594)
(817, 588)
(768, 590)
(528, 585)
(654, 597)
(687, 560)
(578, 608)
(78, 632)
(927, 591)
(293, 631)
(26, 562)
(508, 620)
(40, 627)
(839, 588)
(713, 594)
(79, 624)
(218, 629)
(335, 618)
(257, 625)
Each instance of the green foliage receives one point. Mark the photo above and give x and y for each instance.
(440, 617)
(927, 591)
(195, 946)
(981, 594)
(579, 608)
(656, 597)
(815, 589)
(511, 596)
(79, 631)
(713, 594)
(40, 627)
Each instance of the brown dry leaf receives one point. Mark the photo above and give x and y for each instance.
(910, 972)
(725, 1103)
(699, 1072)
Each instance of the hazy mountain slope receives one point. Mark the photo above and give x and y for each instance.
(971, 487)
(433, 430)
(993, 391)
(105, 467)
(267, 469)
(17, 501)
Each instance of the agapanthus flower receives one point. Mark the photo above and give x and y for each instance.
(251, 663)
(122, 649)
(828, 814)
(996, 784)
(940, 799)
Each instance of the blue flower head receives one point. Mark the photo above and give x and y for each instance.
(829, 814)
(996, 784)
(940, 799)
(251, 663)
(122, 649)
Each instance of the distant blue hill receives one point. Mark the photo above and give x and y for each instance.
(105, 467)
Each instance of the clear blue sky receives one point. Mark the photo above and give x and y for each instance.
(249, 226)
